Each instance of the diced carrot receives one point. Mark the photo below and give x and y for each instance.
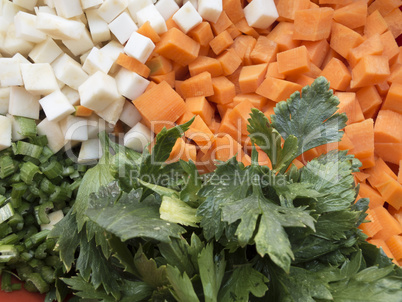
(314, 71)
(82, 111)
(151, 85)
(178, 47)
(226, 148)
(273, 71)
(343, 39)
(227, 127)
(171, 24)
(393, 20)
(390, 46)
(390, 152)
(221, 42)
(393, 101)
(337, 2)
(391, 190)
(313, 24)
(258, 101)
(282, 34)
(243, 27)
(246, 160)
(251, 77)
(200, 106)
(373, 226)
(394, 244)
(233, 9)
(390, 226)
(234, 78)
(384, 6)
(396, 73)
(380, 243)
(277, 90)
(187, 115)
(317, 50)
(349, 105)
(269, 109)
(264, 51)
(352, 15)
(159, 65)
(180, 71)
(133, 64)
(369, 100)
(372, 46)
(224, 90)
(377, 173)
(147, 30)
(337, 74)
(234, 31)
(230, 61)
(242, 44)
(198, 85)
(240, 114)
(160, 106)
(293, 61)
(177, 151)
(288, 8)
(388, 127)
(200, 134)
(400, 174)
(376, 200)
(308, 155)
(204, 63)
(222, 24)
(375, 24)
(214, 126)
(362, 136)
(330, 54)
(369, 71)
(202, 33)
(169, 77)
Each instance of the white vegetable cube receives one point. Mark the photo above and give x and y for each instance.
(90, 151)
(49, 3)
(139, 47)
(27, 4)
(99, 91)
(151, 14)
(130, 115)
(97, 125)
(68, 8)
(122, 27)
(74, 128)
(4, 99)
(59, 28)
(69, 71)
(193, 2)
(39, 78)
(90, 3)
(45, 52)
(55, 136)
(72, 95)
(15, 129)
(110, 9)
(210, 9)
(12, 44)
(135, 5)
(5, 132)
(10, 73)
(97, 61)
(81, 45)
(138, 137)
(261, 13)
(21, 59)
(166, 8)
(54, 218)
(130, 84)
(44, 9)
(111, 114)
(22, 103)
(25, 28)
(9, 10)
(56, 106)
(187, 17)
(97, 26)
(113, 49)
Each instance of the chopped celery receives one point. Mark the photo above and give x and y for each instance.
(28, 171)
(24, 148)
(8, 253)
(7, 166)
(6, 212)
(27, 126)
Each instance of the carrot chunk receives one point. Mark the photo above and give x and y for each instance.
(362, 136)
(384, 6)
(202, 33)
(258, 101)
(375, 24)
(288, 8)
(380, 243)
(343, 39)
(376, 200)
(204, 63)
(370, 70)
(264, 51)
(351, 107)
(282, 34)
(221, 42)
(388, 127)
(373, 226)
(277, 90)
(251, 77)
(82, 111)
(222, 24)
(240, 114)
(159, 65)
(147, 30)
(293, 61)
(393, 20)
(394, 244)
(224, 90)
(391, 49)
(352, 15)
(200, 106)
(390, 226)
(198, 85)
(393, 101)
(372, 46)
(273, 71)
(369, 100)
(230, 61)
(313, 24)
(133, 64)
(337, 74)
(317, 50)
(233, 9)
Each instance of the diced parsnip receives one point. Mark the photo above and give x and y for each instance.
(45, 9)
(4, 99)
(25, 28)
(10, 73)
(97, 125)
(39, 85)
(69, 71)
(58, 27)
(74, 128)
(151, 14)
(130, 84)
(97, 26)
(166, 8)
(135, 5)
(97, 61)
(27, 4)
(72, 95)
(68, 8)
(90, 151)
(210, 10)
(54, 218)
(122, 27)
(112, 113)
(193, 2)
(130, 115)
(98, 91)
(81, 45)
(110, 9)
(22, 103)
(139, 47)
(5, 132)
(138, 137)
(45, 52)
(90, 3)
(9, 10)
(13, 44)
(54, 134)
(16, 129)
(20, 58)
(261, 13)
(56, 106)
(187, 17)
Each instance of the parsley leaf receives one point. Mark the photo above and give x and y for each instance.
(183, 290)
(150, 273)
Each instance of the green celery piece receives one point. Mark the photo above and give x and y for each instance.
(27, 126)
(269, 140)
(6, 212)
(149, 271)
(123, 215)
(177, 211)
(244, 281)
(183, 290)
(212, 271)
(310, 117)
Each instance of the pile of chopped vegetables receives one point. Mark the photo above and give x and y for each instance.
(214, 175)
